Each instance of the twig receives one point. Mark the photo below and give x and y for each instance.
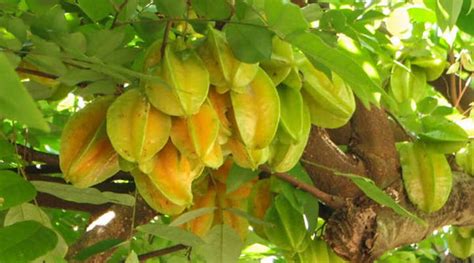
(36, 73)
(330, 200)
(119, 9)
(227, 21)
(452, 81)
(161, 252)
(165, 39)
(461, 94)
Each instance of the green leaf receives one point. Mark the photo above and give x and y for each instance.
(24, 212)
(40, 6)
(76, 76)
(23, 108)
(172, 233)
(223, 245)
(312, 12)
(8, 40)
(421, 14)
(173, 8)
(447, 12)
(427, 105)
(373, 192)
(27, 211)
(98, 247)
(288, 231)
(128, 10)
(6, 148)
(106, 87)
(96, 9)
(437, 128)
(132, 257)
(343, 65)
(249, 43)
(14, 190)
(461, 247)
(25, 241)
(284, 17)
(441, 135)
(212, 9)
(296, 197)
(102, 42)
(86, 195)
(239, 176)
(73, 43)
(16, 26)
(188, 216)
(252, 219)
(51, 23)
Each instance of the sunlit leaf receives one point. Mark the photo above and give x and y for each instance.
(23, 108)
(25, 241)
(14, 190)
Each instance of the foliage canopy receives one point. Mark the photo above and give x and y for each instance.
(202, 109)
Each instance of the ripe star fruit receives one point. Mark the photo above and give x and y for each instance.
(136, 129)
(202, 224)
(245, 156)
(259, 201)
(426, 175)
(86, 156)
(186, 82)
(153, 196)
(257, 111)
(173, 174)
(197, 136)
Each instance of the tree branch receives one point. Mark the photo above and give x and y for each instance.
(118, 228)
(162, 252)
(374, 143)
(29, 155)
(332, 201)
(365, 230)
(36, 73)
(321, 150)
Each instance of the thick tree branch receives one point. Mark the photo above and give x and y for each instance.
(364, 231)
(29, 155)
(374, 143)
(321, 150)
(120, 227)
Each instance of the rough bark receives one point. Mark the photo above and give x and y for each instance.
(321, 150)
(374, 143)
(120, 227)
(363, 231)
